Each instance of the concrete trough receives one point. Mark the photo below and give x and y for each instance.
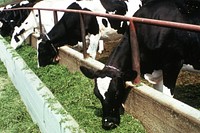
(43, 107)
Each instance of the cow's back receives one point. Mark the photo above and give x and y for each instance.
(160, 45)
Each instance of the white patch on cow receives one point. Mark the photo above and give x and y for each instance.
(101, 46)
(93, 46)
(133, 6)
(155, 77)
(21, 38)
(1, 24)
(47, 19)
(1, 8)
(167, 91)
(93, 5)
(23, 3)
(80, 44)
(158, 86)
(103, 84)
(9, 6)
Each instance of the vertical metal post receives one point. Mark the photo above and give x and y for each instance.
(135, 52)
(55, 16)
(40, 21)
(83, 36)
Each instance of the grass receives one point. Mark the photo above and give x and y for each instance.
(75, 93)
(3, 2)
(14, 117)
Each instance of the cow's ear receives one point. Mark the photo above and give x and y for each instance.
(88, 72)
(129, 75)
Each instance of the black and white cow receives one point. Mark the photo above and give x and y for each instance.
(93, 39)
(120, 7)
(66, 31)
(161, 49)
(10, 19)
(110, 83)
(105, 26)
(31, 23)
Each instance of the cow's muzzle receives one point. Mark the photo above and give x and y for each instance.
(109, 123)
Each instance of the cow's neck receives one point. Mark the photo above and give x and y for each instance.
(46, 38)
(120, 58)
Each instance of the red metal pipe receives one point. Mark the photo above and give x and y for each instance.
(135, 52)
(164, 23)
(83, 36)
(55, 16)
(40, 21)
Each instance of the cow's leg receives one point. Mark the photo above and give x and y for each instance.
(158, 86)
(162, 88)
(170, 75)
(93, 46)
(156, 78)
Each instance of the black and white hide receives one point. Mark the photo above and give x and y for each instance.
(11, 18)
(66, 31)
(162, 50)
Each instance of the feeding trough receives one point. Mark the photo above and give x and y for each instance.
(44, 109)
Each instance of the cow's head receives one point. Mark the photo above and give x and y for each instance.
(90, 23)
(70, 34)
(4, 27)
(47, 53)
(111, 90)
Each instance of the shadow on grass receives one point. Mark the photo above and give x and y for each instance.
(97, 111)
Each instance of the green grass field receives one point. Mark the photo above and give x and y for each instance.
(14, 117)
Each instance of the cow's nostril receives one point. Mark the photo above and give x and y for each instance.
(108, 125)
(16, 38)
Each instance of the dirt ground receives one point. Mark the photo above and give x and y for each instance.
(109, 45)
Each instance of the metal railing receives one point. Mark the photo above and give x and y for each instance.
(132, 20)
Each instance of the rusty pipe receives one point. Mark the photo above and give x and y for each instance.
(164, 23)
(135, 52)
(83, 35)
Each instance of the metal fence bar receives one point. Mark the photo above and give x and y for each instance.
(134, 44)
(55, 16)
(83, 36)
(40, 21)
(135, 52)
(164, 23)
